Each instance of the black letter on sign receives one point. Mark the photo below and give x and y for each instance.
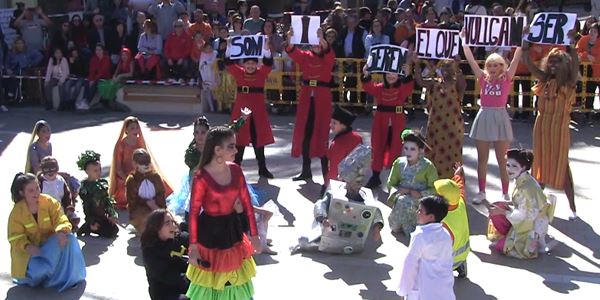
(539, 22)
(557, 36)
(516, 31)
(305, 26)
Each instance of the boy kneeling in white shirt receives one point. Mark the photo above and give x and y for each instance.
(427, 270)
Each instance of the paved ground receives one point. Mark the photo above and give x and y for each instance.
(115, 269)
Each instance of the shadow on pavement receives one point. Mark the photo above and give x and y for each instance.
(310, 191)
(19, 292)
(94, 247)
(582, 233)
(466, 289)
(134, 249)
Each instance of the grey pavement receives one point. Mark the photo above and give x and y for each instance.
(115, 271)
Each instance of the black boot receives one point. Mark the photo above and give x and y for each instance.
(239, 156)
(374, 181)
(262, 164)
(306, 173)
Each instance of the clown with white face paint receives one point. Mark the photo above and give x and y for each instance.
(411, 178)
(519, 226)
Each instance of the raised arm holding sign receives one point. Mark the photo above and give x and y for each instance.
(493, 31)
(305, 27)
(437, 43)
(387, 59)
(246, 46)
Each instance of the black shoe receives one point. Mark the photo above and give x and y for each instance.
(83, 231)
(303, 176)
(374, 182)
(263, 172)
(462, 270)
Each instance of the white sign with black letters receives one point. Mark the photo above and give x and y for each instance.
(305, 30)
(493, 31)
(551, 28)
(246, 46)
(387, 59)
(437, 43)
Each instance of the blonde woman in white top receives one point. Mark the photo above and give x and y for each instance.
(56, 75)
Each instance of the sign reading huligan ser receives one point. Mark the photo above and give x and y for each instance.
(493, 31)
(387, 59)
(437, 43)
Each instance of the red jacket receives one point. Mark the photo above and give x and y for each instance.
(341, 146)
(178, 46)
(100, 69)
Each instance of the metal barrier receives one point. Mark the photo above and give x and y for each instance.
(283, 86)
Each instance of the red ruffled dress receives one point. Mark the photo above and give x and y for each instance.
(218, 233)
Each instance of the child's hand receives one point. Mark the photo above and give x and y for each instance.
(256, 244)
(237, 206)
(458, 169)
(246, 112)
(326, 223)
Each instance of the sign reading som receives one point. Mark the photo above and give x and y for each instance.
(246, 46)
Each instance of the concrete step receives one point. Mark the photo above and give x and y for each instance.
(183, 100)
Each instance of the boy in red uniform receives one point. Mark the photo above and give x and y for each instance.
(390, 96)
(250, 93)
(344, 141)
(311, 132)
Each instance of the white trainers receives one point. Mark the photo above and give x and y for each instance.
(573, 216)
(478, 198)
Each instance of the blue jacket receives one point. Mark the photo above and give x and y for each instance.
(23, 60)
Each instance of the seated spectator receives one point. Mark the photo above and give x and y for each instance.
(384, 15)
(275, 39)
(236, 27)
(120, 11)
(136, 31)
(76, 81)
(177, 52)
(19, 61)
(242, 9)
(404, 31)
(185, 17)
(214, 17)
(30, 23)
(220, 43)
(98, 34)
(78, 32)
(99, 69)
(255, 23)
(375, 37)
(108, 88)
(365, 17)
(149, 50)
(166, 12)
(201, 26)
(117, 39)
(63, 38)
(57, 73)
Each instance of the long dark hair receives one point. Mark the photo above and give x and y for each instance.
(53, 57)
(19, 183)
(154, 223)
(216, 137)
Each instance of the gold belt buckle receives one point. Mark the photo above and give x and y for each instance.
(246, 89)
(312, 83)
(399, 109)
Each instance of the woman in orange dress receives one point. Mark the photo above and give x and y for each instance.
(445, 126)
(130, 139)
(557, 77)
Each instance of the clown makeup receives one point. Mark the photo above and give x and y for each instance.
(412, 152)
(514, 169)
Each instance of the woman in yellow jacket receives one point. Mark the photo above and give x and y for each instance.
(43, 250)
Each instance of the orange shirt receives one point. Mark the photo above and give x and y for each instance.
(536, 53)
(584, 50)
(203, 28)
(402, 33)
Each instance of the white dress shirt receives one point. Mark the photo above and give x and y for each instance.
(427, 270)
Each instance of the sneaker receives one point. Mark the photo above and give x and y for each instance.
(573, 216)
(3, 108)
(478, 198)
(506, 197)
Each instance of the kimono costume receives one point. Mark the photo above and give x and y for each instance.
(518, 232)
(341, 146)
(179, 203)
(427, 269)
(59, 190)
(314, 106)
(217, 233)
(143, 187)
(98, 206)
(55, 267)
(420, 177)
(389, 118)
(165, 265)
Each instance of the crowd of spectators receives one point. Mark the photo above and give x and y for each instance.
(167, 39)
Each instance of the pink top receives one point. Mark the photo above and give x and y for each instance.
(495, 93)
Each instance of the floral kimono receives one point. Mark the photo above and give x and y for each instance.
(419, 177)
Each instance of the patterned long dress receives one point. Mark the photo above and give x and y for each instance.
(445, 128)
(551, 136)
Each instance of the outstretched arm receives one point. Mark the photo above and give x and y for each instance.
(470, 58)
(574, 64)
(535, 71)
(514, 63)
